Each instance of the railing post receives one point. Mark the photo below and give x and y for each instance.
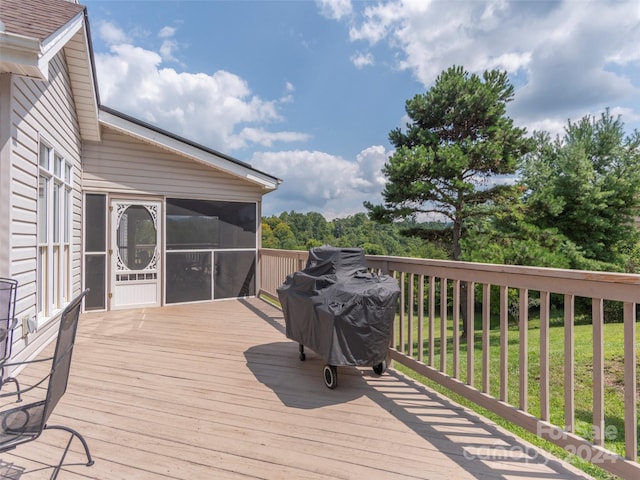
(385, 268)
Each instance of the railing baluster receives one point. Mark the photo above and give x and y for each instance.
(544, 355)
(432, 320)
(630, 388)
(471, 287)
(486, 328)
(569, 364)
(443, 325)
(524, 349)
(598, 370)
(402, 310)
(456, 328)
(394, 324)
(504, 343)
(421, 317)
(410, 324)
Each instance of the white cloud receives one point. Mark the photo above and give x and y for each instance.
(167, 32)
(370, 162)
(627, 114)
(265, 138)
(166, 50)
(288, 96)
(169, 45)
(217, 110)
(323, 182)
(361, 60)
(558, 52)
(379, 20)
(554, 127)
(111, 34)
(335, 9)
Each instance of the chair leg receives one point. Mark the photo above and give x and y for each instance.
(14, 380)
(73, 433)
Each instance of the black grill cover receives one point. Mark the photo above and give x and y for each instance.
(338, 309)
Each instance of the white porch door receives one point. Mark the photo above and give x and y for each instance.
(135, 254)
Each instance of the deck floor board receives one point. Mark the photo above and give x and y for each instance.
(216, 391)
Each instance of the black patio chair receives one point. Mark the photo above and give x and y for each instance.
(26, 422)
(8, 323)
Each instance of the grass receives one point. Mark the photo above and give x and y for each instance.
(583, 351)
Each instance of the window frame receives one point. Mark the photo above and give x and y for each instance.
(54, 231)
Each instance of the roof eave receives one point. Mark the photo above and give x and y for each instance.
(22, 55)
(28, 56)
(85, 85)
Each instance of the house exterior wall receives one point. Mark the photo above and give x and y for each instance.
(125, 165)
(37, 111)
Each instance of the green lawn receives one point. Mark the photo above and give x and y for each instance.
(614, 406)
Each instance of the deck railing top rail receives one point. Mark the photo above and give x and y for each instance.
(624, 287)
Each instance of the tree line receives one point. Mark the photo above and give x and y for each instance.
(301, 231)
(501, 195)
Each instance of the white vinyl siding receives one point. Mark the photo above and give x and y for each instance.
(41, 112)
(125, 165)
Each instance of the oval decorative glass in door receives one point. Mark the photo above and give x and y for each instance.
(137, 235)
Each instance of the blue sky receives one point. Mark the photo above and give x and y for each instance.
(309, 90)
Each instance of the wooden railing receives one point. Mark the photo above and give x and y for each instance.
(500, 305)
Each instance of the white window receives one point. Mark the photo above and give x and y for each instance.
(54, 232)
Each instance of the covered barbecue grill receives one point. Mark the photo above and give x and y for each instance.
(340, 310)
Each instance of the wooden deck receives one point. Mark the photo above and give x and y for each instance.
(216, 391)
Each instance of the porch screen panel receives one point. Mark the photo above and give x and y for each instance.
(95, 272)
(210, 243)
(235, 274)
(208, 224)
(95, 259)
(188, 276)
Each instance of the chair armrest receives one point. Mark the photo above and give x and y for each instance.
(22, 390)
(26, 362)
